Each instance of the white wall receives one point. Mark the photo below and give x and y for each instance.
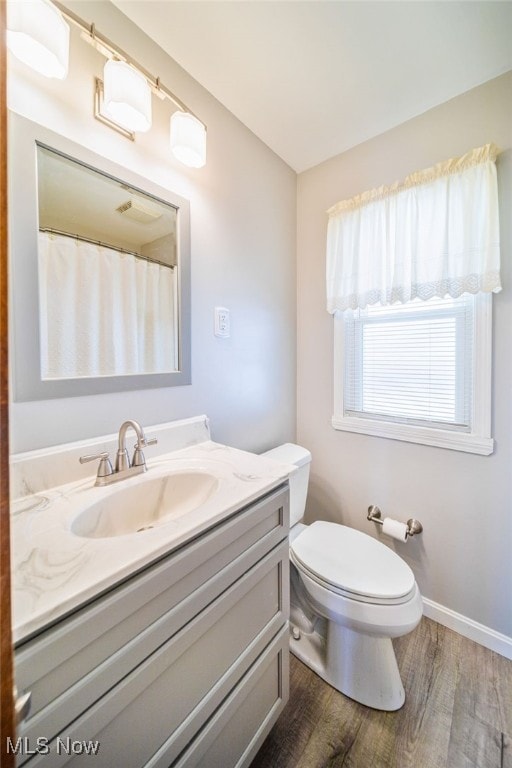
(463, 560)
(243, 254)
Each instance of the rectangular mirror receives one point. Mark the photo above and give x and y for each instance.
(100, 272)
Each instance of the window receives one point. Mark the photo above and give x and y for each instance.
(418, 371)
(410, 270)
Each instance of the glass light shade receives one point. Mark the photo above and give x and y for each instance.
(38, 36)
(126, 96)
(188, 139)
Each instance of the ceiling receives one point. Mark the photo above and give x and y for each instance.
(312, 79)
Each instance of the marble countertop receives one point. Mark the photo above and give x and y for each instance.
(55, 571)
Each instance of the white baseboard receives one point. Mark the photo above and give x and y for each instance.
(481, 634)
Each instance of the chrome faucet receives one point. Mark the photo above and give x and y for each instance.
(124, 467)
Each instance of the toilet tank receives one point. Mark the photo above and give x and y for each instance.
(289, 453)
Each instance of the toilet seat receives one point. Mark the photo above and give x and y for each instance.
(352, 564)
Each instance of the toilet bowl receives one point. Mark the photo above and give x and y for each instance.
(350, 594)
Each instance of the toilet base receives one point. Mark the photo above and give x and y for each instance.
(360, 666)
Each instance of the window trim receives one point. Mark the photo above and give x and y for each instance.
(478, 440)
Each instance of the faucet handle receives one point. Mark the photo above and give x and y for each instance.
(138, 456)
(105, 467)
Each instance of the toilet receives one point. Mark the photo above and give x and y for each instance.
(350, 594)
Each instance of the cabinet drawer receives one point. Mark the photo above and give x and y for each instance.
(71, 665)
(234, 734)
(164, 702)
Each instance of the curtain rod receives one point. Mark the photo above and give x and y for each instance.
(84, 239)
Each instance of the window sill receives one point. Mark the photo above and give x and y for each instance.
(455, 441)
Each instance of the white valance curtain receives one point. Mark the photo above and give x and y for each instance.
(434, 234)
(103, 312)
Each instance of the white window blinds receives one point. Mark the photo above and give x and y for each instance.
(411, 363)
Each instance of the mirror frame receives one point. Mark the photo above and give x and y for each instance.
(27, 384)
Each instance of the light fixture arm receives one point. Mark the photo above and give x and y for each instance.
(111, 51)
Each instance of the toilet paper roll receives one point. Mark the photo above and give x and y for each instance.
(394, 528)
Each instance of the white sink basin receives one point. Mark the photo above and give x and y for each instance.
(141, 507)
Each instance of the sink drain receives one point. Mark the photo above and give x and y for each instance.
(144, 528)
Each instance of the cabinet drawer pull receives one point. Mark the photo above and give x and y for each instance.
(22, 705)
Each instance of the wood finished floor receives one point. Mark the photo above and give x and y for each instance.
(457, 713)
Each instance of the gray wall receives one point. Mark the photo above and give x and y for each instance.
(243, 257)
(243, 254)
(463, 559)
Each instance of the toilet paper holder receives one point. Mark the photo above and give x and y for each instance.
(375, 516)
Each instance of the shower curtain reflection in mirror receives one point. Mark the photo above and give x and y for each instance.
(103, 312)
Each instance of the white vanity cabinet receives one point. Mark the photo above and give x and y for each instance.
(183, 664)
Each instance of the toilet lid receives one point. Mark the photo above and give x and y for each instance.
(349, 560)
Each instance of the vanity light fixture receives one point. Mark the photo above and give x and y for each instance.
(188, 139)
(38, 36)
(123, 100)
(126, 96)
